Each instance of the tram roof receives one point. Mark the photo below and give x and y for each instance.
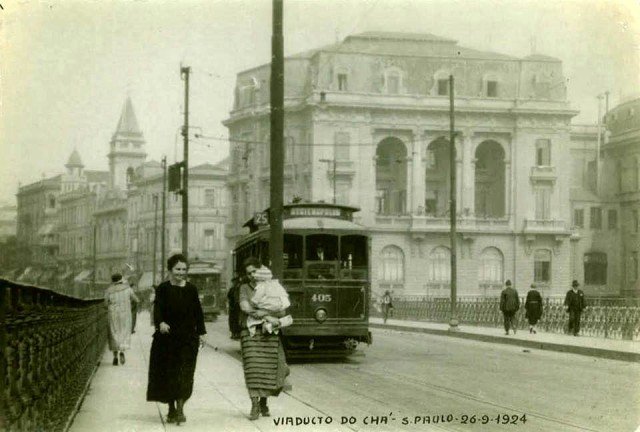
(346, 213)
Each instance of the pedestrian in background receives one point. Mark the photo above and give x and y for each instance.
(119, 297)
(134, 308)
(387, 306)
(574, 304)
(533, 307)
(509, 305)
(263, 358)
(233, 303)
(179, 324)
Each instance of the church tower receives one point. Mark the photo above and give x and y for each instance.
(74, 177)
(126, 150)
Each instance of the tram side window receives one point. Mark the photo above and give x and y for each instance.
(353, 259)
(292, 245)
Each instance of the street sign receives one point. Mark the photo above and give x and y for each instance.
(261, 218)
(175, 177)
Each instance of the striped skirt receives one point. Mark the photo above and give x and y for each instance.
(264, 364)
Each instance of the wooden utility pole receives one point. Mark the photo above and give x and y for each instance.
(95, 257)
(184, 72)
(453, 322)
(164, 216)
(155, 238)
(277, 147)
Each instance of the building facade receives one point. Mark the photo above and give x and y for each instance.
(367, 122)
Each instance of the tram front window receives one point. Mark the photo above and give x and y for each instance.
(292, 245)
(321, 256)
(353, 257)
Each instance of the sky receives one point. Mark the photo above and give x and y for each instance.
(67, 67)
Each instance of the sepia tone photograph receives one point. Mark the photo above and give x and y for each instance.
(320, 215)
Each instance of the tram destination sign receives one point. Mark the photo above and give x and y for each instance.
(317, 211)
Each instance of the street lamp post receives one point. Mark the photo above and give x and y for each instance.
(333, 162)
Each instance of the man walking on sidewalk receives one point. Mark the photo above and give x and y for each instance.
(509, 305)
(574, 304)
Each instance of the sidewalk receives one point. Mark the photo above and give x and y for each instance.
(597, 347)
(116, 398)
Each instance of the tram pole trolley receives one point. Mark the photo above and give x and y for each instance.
(326, 273)
(205, 275)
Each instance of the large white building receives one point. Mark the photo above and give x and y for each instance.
(377, 106)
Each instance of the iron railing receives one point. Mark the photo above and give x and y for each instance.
(613, 318)
(52, 345)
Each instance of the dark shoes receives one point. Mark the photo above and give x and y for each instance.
(121, 358)
(115, 361)
(264, 409)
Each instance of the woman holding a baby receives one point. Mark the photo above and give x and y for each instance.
(263, 303)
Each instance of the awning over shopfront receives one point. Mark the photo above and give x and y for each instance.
(46, 229)
(146, 281)
(25, 274)
(46, 277)
(82, 276)
(65, 275)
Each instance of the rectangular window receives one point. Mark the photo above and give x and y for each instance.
(443, 87)
(633, 268)
(543, 152)
(596, 218)
(342, 82)
(209, 197)
(393, 84)
(209, 239)
(578, 218)
(543, 203)
(492, 89)
(595, 268)
(612, 219)
(542, 267)
(342, 146)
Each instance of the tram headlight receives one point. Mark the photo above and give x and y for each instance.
(321, 315)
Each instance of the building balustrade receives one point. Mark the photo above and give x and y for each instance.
(544, 226)
(52, 346)
(617, 318)
(421, 223)
(543, 173)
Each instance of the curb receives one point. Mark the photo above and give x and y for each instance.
(547, 346)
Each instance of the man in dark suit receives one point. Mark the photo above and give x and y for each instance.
(574, 304)
(509, 305)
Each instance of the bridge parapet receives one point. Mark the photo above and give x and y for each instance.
(611, 318)
(52, 344)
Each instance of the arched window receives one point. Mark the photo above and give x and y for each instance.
(130, 176)
(392, 269)
(491, 266)
(341, 79)
(440, 265)
(595, 268)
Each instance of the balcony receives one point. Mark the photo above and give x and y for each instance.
(545, 226)
(543, 174)
(467, 223)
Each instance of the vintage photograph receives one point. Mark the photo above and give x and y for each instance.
(320, 215)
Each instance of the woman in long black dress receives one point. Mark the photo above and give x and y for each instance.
(179, 323)
(533, 306)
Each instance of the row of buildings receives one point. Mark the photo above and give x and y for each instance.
(82, 226)
(539, 199)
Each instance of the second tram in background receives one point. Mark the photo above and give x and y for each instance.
(206, 276)
(326, 273)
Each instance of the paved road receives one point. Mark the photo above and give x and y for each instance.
(413, 380)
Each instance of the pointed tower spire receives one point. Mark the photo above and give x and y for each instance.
(127, 148)
(128, 123)
(74, 160)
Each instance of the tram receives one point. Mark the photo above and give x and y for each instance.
(206, 276)
(326, 273)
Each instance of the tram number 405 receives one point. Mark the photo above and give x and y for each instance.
(321, 298)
